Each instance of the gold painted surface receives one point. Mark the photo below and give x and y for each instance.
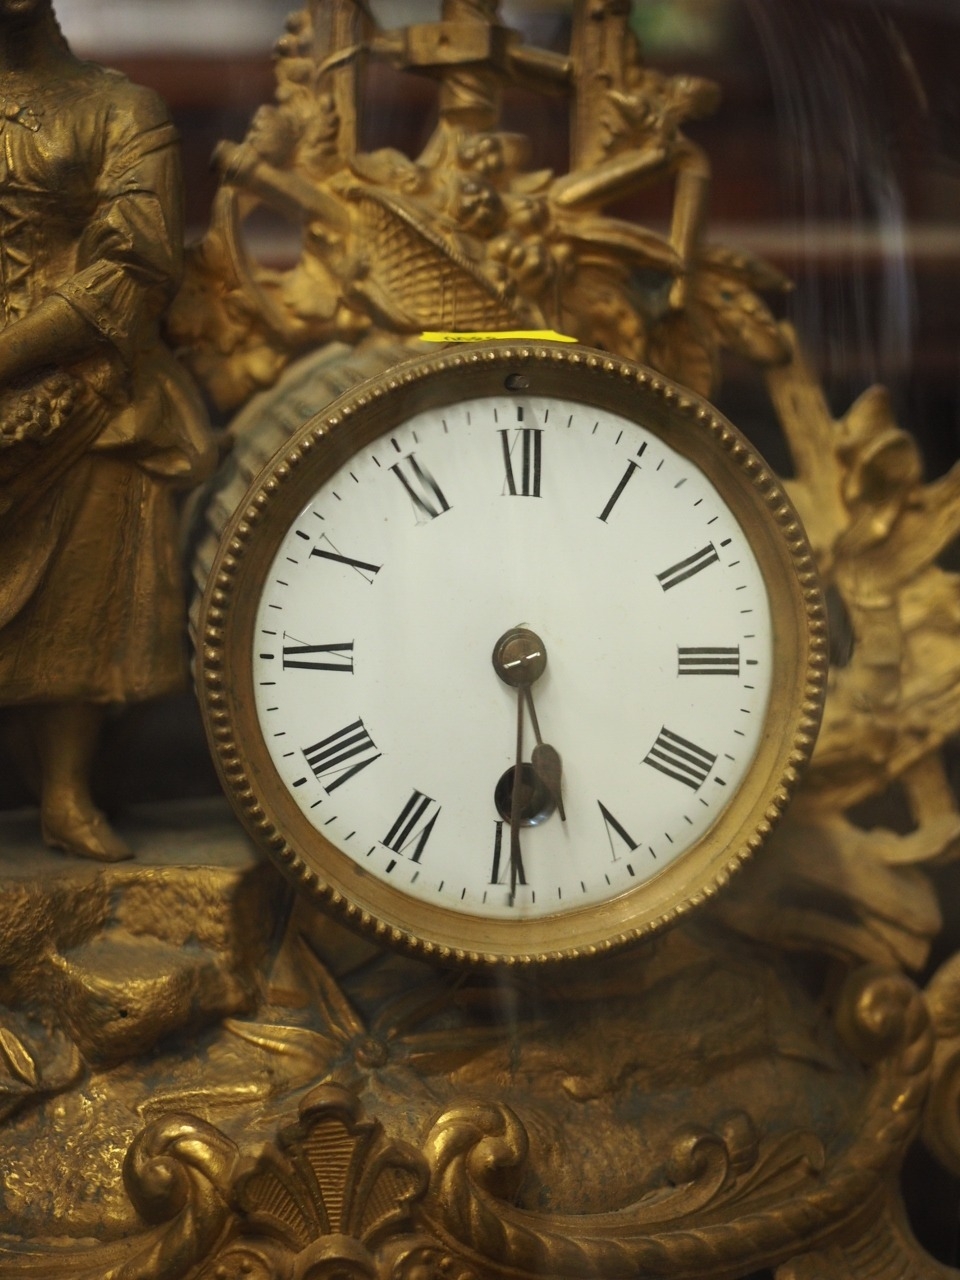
(328, 1108)
(99, 427)
(727, 1122)
(862, 891)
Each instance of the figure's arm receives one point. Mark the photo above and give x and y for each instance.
(53, 333)
(129, 256)
(612, 179)
(284, 190)
(616, 178)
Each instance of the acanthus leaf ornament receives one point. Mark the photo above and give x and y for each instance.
(333, 1197)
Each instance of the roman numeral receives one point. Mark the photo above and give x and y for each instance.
(406, 831)
(708, 662)
(338, 657)
(530, 447)
(624, 481)
(497, 856)
(679, 572)
(501, 863)
(681, 759)
(614, 828)
(424, 492)
(342, 755)
(367, 571)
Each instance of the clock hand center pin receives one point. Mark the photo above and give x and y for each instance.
(519, 657)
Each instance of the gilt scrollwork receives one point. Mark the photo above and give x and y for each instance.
(721, 1195)
(332, 1198)
(850, 874)
(467, 236)
(941, 1129)
(885, 1249)
(512, 247)
(177, 1174)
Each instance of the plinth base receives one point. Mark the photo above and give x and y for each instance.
(183, 1098)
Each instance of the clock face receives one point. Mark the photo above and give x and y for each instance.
(382, 709)
(522, 653)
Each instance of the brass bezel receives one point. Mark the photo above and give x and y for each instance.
(251, 539)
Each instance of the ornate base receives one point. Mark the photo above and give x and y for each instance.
(335, 1109)
(100, 965)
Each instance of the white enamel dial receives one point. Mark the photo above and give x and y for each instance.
(386, 719)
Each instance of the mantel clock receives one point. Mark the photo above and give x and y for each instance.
(511, 650)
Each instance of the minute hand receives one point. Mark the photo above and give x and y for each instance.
(516, 855)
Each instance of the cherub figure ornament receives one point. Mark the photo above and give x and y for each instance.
(99, 427)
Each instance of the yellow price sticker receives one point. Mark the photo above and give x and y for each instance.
(515, 335)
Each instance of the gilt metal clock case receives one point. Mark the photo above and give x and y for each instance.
(513, 653)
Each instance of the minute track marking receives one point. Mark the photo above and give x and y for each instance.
(625, 479)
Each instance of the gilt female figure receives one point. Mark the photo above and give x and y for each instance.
(99, 427)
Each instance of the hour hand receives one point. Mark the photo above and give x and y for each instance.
(519, 658)
(516, 855)
(549, 769)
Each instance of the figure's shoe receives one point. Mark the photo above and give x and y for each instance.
(87, 834)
